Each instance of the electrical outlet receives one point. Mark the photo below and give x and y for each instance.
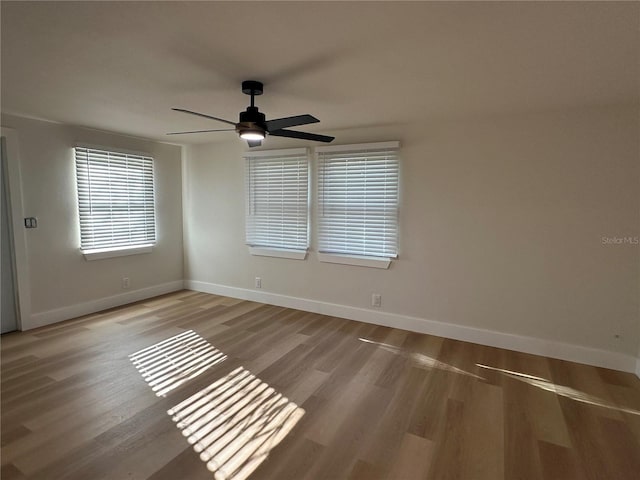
(258, 283)
(376, 300)
(125, 283)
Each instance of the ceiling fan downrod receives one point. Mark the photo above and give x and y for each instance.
(252, 88)
(253, 124)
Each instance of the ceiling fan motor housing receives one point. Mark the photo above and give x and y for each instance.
(251, 119)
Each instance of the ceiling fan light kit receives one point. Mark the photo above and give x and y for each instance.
(250, 134)
(253, 125)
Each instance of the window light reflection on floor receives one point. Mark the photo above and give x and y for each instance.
(419, 359)
(561, 390)
(235, 422)
(168, 364)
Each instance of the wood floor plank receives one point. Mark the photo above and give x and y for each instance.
(593, 446)
(541, 401)
(297, 456)
(184, 465)
(483, 443)
(372, 402)
(395, 421)
(559, 462)
(624, 460)
(522, 458)
(628, 400)
(365, 471)
(11, 472)
(413, 459)
(447, 455)
(11, 435)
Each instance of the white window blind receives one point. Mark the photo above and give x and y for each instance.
(358, 199)
(115, 199)
(277, 199)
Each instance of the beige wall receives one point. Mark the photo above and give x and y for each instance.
(502, 221)
(59, 276)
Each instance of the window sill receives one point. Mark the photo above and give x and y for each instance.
(278, 252)
(101, 253)
(373, 262)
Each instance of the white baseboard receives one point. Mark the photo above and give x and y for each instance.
(65, 313)
(536, 346)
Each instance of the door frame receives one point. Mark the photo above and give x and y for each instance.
(14, 178)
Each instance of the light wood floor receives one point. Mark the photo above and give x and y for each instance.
(362, 402)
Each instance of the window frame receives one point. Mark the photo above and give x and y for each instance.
(351, 257)
(150, 233)
(277, 250)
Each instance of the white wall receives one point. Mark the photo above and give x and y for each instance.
(62, 283)
(502, 221)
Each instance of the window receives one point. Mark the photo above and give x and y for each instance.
(115, 202)
(358, 203)
(277, 203)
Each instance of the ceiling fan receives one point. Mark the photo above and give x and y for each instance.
(253, 126)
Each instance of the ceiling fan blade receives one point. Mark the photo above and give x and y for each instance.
(254, 143)
(203, 115)
(202, 131)
(285, 122)
(302, 135)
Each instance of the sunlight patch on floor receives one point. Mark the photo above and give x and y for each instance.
(235, 422)
(168, 364)
(561, 390)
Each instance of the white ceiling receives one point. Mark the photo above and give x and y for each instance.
(122, 66)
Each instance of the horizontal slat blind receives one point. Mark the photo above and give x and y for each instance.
(277, 198)
(358, 200)
(115, 199)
